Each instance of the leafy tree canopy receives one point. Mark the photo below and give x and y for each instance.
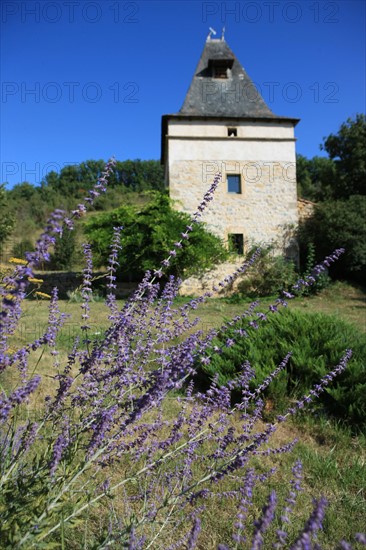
(348, 150)
(7, 219)
(336, 224)
(342, 174)
(136, 175)
(315, 177)
(32, 204)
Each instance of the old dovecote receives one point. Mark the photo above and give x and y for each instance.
(224, 125)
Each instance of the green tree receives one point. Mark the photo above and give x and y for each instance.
(348, 150)
(323, 174)
(64, 251)
(315, 177)
(148, 236)
(134, 175)
(22, 192)
(305, 187)
(336, 224)
(139, 175)
(7, 219)
(51, 179)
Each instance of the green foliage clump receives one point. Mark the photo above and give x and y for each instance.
(316, 341)
(134, 175)
(269, 275)
(23, 246)
(335, 224)
(348, 150)
(7, 219)
(148, 236)
(65, 251)
(339, 182)
(315, 177)
(32, 204)
(343, 173)
(323, 280)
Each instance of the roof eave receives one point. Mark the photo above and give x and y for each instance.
(275, 118)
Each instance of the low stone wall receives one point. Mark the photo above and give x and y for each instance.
(305, 209)
(195, 286)
(68, 282)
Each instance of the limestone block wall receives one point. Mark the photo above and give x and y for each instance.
(196, 286)
(262, 212)
(305, 209)
(262, 152)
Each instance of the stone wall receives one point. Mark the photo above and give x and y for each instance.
(68, 282)
(305, 209)
(263, 153)
(195, 286)
(263, 212)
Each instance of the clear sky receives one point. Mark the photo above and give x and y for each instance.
(90, 79)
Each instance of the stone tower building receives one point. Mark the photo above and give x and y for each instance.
(225, 126)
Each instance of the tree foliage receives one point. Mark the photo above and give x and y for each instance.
(134, 175)
(64, 252)
(7, 219)
(148, 236)
(32, 204)
(348, 150)
(315, 177)
(338, 183)
(343, 173)
(336, 224)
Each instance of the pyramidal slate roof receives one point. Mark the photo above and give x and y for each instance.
(221, 88)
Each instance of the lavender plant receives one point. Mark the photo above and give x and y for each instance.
(104, 432)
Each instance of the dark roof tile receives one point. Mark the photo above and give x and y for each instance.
(234, 96)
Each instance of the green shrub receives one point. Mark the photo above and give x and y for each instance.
(64, 251)
(269, 275)
(336, 224)
(148, 236)
(7, 218)
(316, 342)
(20, 248)
(323, 280)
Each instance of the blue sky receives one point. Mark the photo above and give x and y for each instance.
(87, 80)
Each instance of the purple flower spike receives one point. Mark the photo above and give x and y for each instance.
(361, 538)
(264, 522)
(313, 524)
(193, 535)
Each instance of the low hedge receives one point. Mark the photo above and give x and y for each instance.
(317, 342)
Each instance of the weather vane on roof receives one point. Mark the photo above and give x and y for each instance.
(212, 31)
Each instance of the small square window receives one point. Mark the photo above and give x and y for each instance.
(236, 243)
(219, 67)
(232, 132)
(233, 183)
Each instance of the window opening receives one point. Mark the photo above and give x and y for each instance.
(236, 243)
(234, 183)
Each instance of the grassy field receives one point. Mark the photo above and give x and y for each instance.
(334, 460)
(341, 300)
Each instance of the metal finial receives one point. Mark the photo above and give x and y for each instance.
(223, 33)
(212, 31)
